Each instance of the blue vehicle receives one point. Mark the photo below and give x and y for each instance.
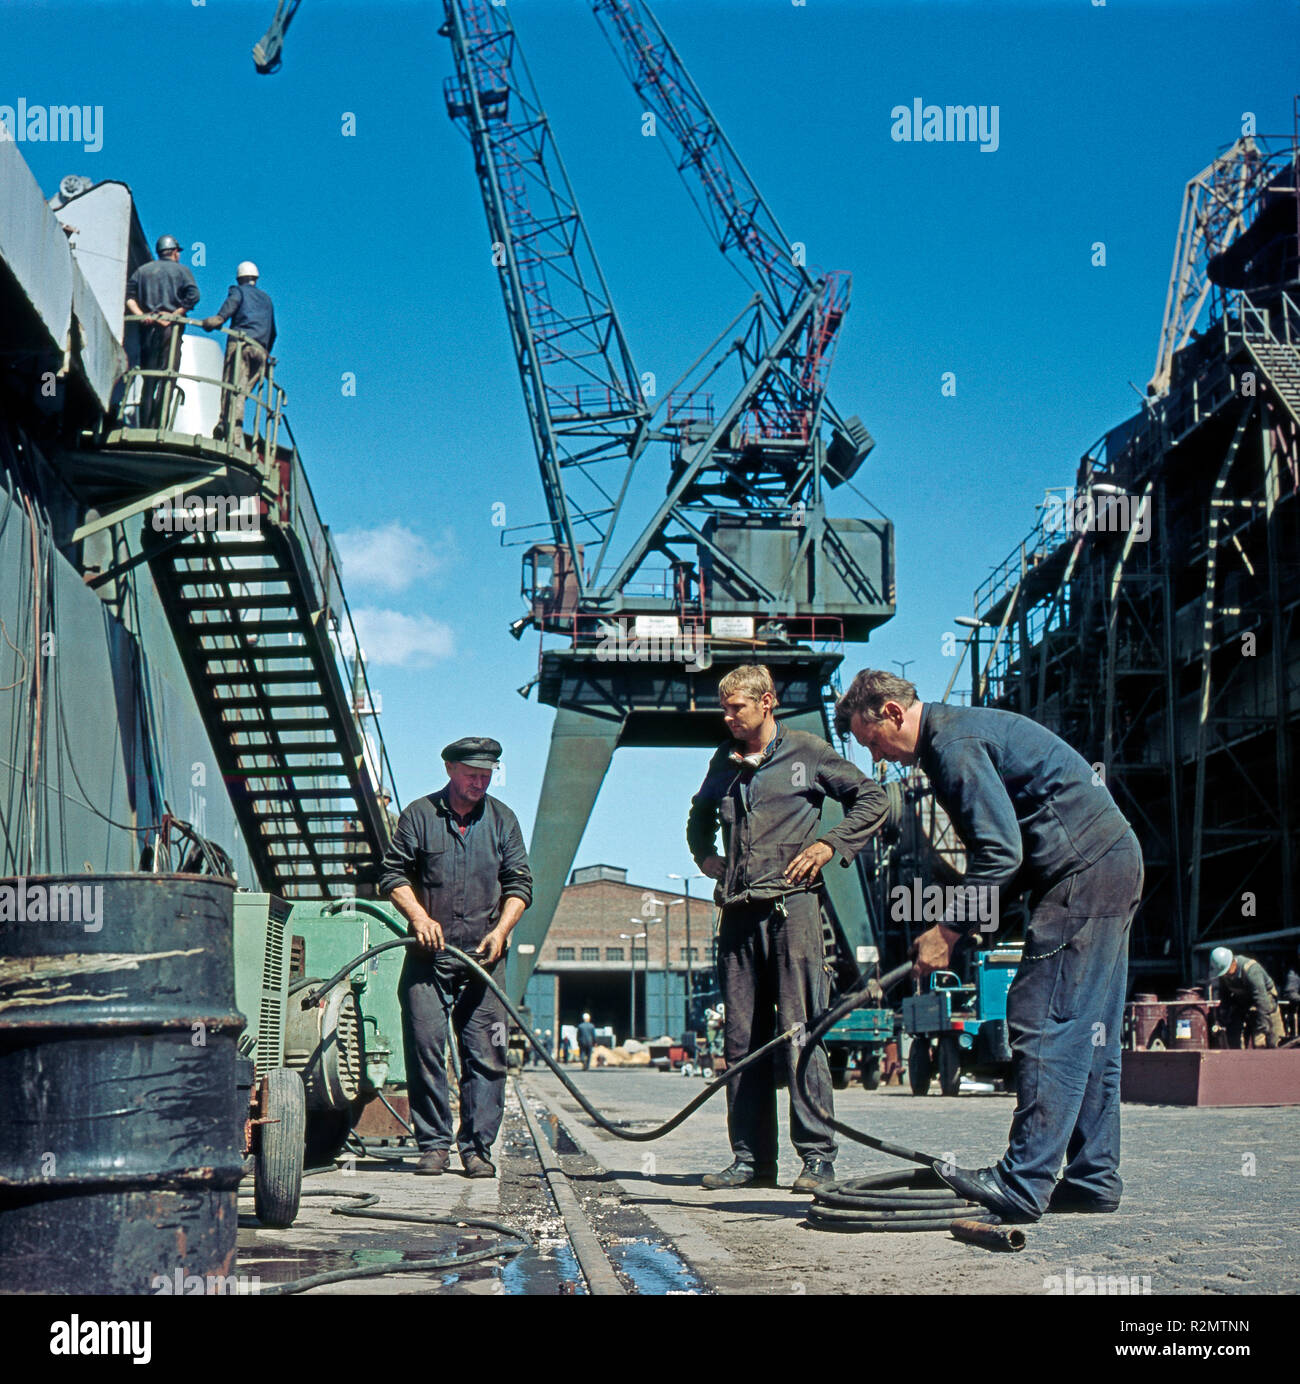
(958, 1028)
(858, 1040)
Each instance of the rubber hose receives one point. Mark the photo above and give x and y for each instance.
(917, 1200)
(610, 1126)
(449, 1261)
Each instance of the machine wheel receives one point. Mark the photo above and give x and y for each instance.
(920, 1066)
(871, 1070)
(839, 1061)
(277, 1172)
(949, 1064)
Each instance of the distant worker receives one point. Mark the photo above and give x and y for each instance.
(586, 1040)
(1248, 1000)
(1033, 816)
(162, 286)
(1291, 993)
(457, 871)
(765, 787)
(249, 310)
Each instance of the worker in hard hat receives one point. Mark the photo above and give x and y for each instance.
(163, 287)
(1034, 817)
(249, 310)
(1247, 1000)
(586, 1040)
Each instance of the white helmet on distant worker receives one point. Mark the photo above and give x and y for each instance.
(247, 270)
(1220, 959)
(586, 1018)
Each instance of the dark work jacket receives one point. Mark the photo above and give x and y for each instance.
(1250, 988)
(769, 814)
(250, 311)
(1026, 806)
(460, 882)
(163, 286)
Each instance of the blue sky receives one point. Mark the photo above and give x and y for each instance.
(374, 248)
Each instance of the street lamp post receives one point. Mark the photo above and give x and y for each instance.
(690, 960)
(631, 974)
(974, 625)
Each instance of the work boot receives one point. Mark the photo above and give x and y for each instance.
(816, 1173)
(476, 1165)
(740, 1174)
(432, 1162)
(981, 1186)
(1067, 1198)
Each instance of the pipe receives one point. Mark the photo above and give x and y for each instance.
(1006, 1237)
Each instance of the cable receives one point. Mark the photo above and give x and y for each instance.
(522, 1240)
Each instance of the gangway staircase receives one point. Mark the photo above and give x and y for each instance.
(1273, 339)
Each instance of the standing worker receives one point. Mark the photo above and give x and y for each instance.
(1028, 808)
(249, 310)
(1248, 997)
(164, 285)
(457, 871)
(766, 787)
(586, 1040)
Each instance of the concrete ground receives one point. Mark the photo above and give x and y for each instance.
(1211, 1201)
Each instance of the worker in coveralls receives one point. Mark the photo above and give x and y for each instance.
(766, 787)
(1247, 998)
(457, 871)
(249, 310)
(1029, 809)
(164, 286)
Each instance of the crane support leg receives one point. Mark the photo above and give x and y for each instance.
(582, 746)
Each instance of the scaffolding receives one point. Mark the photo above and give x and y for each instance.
(1149, 618)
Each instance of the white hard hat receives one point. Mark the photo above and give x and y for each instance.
(247, 270)
(586, 1018)
(1220, 959)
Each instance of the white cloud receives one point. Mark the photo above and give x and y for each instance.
(390, 557)
(398, 640)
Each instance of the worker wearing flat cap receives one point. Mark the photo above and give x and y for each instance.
(458, 873)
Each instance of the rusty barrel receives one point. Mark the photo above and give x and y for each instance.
(1147, 1021)
(1189, 1025)
(121, 1141)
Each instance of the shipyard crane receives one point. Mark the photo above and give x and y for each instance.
(738, 560)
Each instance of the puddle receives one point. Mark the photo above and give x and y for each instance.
(653, 1268)
(557, 1136)
(532, 1272)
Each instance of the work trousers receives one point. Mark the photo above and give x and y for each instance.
(156, 343)
(1064, 1013)
(432, 991)
(243, 371)
(1260, 1029)
(771, 967)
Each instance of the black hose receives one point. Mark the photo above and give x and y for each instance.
(917, 1200)
(885, 1201)
(610, 1126)
(450, 1261)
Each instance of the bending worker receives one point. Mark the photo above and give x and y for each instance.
(1248, 999)
(1028, 808)
(766, 786)
(457, 871)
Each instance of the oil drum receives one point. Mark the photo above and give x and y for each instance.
(121, 1142)
(1147, 1021)
(1189, 1025)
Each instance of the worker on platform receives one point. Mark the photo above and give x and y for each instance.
(1247, 1000)
(765, 787)
(457, 871)
(249, 310)
(162, 287)
(586, 1040)
(1029, 809)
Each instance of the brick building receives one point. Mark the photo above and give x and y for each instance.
(593, 960)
